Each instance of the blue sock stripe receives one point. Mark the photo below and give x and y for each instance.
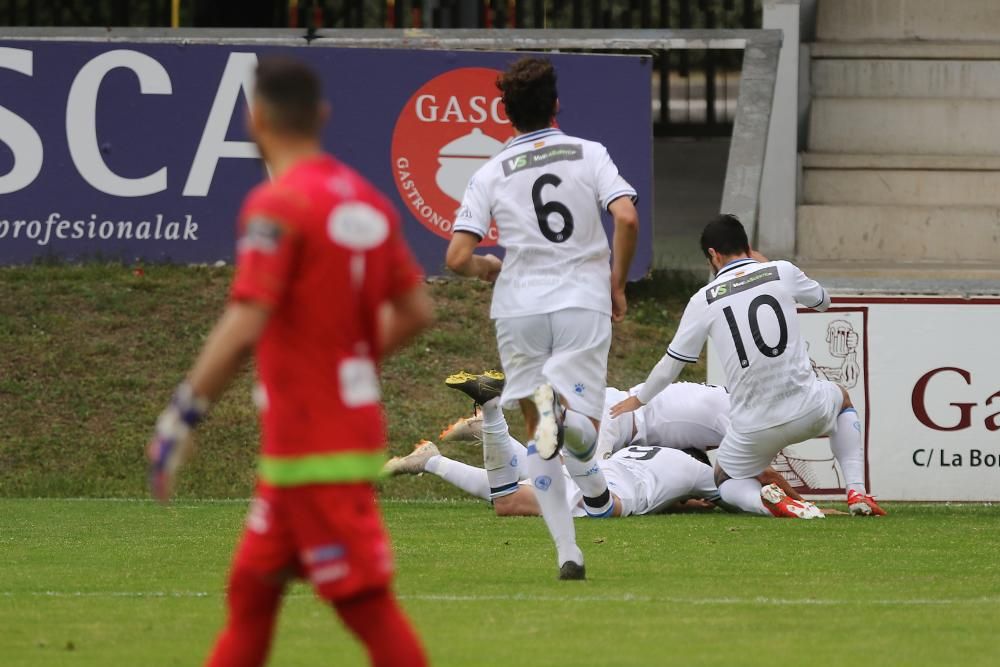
(532, 449)
(501, 491)
(603, 515)
(850, 409)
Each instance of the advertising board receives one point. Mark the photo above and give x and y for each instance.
(133, 151)
(925, 380)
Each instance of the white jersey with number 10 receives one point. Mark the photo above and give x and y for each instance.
(749, 312)
(546, 191)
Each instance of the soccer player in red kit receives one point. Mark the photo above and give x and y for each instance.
(325, 287)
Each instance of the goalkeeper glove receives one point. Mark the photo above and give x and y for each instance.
(171, 441)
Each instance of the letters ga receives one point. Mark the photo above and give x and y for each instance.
(81, 124)
(918, 401)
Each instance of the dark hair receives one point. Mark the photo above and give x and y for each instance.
(697, 455)
(291, 93)
(726, 235)
(529, 93)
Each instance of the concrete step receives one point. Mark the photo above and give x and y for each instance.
(899, 233)
(899, 187)
(894, 278)
(916, 162)
(941, 50)
(904, 126)
(967, 79)
(907, 19)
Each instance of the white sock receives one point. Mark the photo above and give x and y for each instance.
(590, 478)
(580, 436)
(468, 478)
(550, 490)
(743, 494)
(580, 440)
(500, 457)
(849, 449)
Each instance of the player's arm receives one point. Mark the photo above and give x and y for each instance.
(228, 346)
(230, 342)
(805, 290)
(618, 198)
(683, 349)
(472, 223)
(623, 244)
(461, 258)
(266, 255)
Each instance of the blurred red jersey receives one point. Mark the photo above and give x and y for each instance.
(323, 248)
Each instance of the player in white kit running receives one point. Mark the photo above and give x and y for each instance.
(749, 312)
(557, 293)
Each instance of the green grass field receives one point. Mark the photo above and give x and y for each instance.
(122, 583)
(89, 355)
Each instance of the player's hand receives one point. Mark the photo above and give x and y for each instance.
(619, 304)
(166, 455)
(491, 268)
(630, 404)
(172, 442)
(759, 257)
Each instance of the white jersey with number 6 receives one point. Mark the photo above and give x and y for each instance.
(749, 312)
(546, 191)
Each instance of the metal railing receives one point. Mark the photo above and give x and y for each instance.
(694, 91)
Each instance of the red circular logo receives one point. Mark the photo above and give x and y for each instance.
(448, 129)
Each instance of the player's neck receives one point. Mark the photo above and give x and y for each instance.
(726, 260)
(281, 159)
(518, 133)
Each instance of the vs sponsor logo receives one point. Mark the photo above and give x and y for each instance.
(450, 127)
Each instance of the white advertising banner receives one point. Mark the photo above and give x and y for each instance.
(924, 374)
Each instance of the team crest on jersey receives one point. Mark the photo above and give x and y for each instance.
(450, 127)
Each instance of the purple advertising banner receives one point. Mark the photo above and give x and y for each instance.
(132, 151)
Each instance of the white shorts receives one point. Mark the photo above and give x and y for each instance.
(650, 479)
(746, 455)
(567, 349)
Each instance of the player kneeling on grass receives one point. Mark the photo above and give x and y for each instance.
(325, 288)
(749, 312)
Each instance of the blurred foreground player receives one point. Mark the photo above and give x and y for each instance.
(558, 290)
(325, 287)
(749, 311)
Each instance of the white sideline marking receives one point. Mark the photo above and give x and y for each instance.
(433, 597)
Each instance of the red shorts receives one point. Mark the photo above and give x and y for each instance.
(330, 534)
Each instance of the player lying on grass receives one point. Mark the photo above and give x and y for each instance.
(642, 479)
(749, 312)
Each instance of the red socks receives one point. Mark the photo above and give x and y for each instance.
(380, 624)
(375, 618)
(253, 607)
